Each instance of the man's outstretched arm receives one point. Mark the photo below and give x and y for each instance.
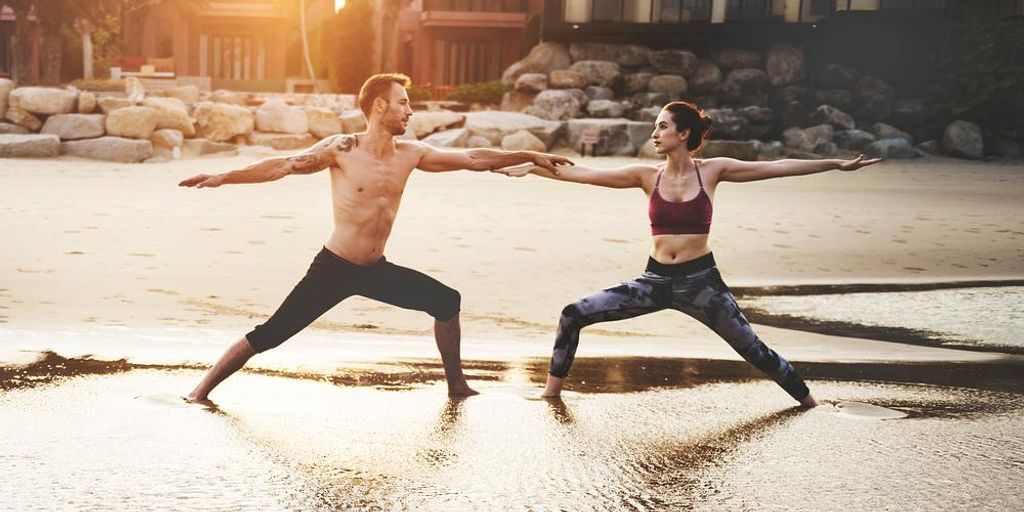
(315, 159)
(482, 159)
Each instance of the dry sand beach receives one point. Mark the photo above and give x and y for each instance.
(117, 287)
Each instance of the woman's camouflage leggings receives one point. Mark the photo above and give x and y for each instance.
(699, 292)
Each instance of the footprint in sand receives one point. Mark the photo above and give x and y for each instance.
(74, 253)
(527, 249)
(142, 254)
(616, 240)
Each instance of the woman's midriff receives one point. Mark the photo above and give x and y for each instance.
(671, 249)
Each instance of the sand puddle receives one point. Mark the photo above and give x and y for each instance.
(865, 411)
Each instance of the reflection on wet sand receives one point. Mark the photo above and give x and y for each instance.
(638, 434)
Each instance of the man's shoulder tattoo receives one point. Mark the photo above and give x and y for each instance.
(345, 143)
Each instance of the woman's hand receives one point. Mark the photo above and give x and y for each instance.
(856, 163)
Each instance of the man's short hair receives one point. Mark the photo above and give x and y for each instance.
(377, 86)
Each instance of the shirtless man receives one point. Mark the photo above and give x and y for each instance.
(368, 175)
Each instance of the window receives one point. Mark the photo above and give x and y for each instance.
(466, 62)
(231, 57)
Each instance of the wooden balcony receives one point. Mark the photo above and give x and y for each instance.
(473, 19)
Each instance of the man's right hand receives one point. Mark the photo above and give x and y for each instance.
(202, 181)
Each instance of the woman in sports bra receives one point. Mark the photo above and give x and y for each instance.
(681, 272)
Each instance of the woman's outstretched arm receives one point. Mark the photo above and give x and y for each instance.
(630, 176)
(740, 171)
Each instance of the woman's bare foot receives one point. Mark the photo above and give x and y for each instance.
(809, 401)
(461, 391)
(204, 401)
(553, 388)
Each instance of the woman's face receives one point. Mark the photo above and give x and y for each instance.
(666, 138)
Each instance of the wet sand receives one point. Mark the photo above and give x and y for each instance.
(648, 434)
(119, 288)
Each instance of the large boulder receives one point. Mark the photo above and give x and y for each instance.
(596, 92)
(551, 132)
(515, 101)
(425, 123)
(838, 98)
(280, 141)
(132, 123)
(808, 139)
(29, 146)
(597, 72)
(636, 82)
(639, 132)
(86, 102)
(834, 76)
(963, 139)
(531, 82)
(547, 57)
(512, 73)
(673, 85)
(171, 114)
(112, 149)
(109, 104)
(893, 149)
(476, 141)
(227, 97)
(553, 105)
(757, 115)
(167, 138)
(650, 99)
(23, 119)
(75, 126)
(785, 65)
(1003, 149)
(883, 131)
(221, 122)
(605, 108)
(729, 92)
(731, 58)
(827, 114)
(494, 126)
(853, 140)
(276, 116)
(323, 122)
(188, 94)
(457, 138)
(44, 100)
(750, 80)
(204, 147)
(13, 129)
(726, 123)
(523, 141)
(674, 62)
(612, 136)
(566, 79)
(874, 98)
(627, 55)
(738, 149)
(706, 78)
(6, 86)
(353, 121)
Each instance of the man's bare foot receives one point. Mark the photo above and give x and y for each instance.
(809, 401)
(461, 391)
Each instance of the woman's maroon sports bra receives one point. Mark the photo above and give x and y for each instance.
(691, 217)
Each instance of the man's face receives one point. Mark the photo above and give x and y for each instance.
(395, 112)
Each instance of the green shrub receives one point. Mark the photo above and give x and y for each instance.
(417, 93)
(981, 77)
(486, 92)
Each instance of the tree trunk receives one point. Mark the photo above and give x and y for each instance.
(25, 70)
(305, 39)
(53, 53)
